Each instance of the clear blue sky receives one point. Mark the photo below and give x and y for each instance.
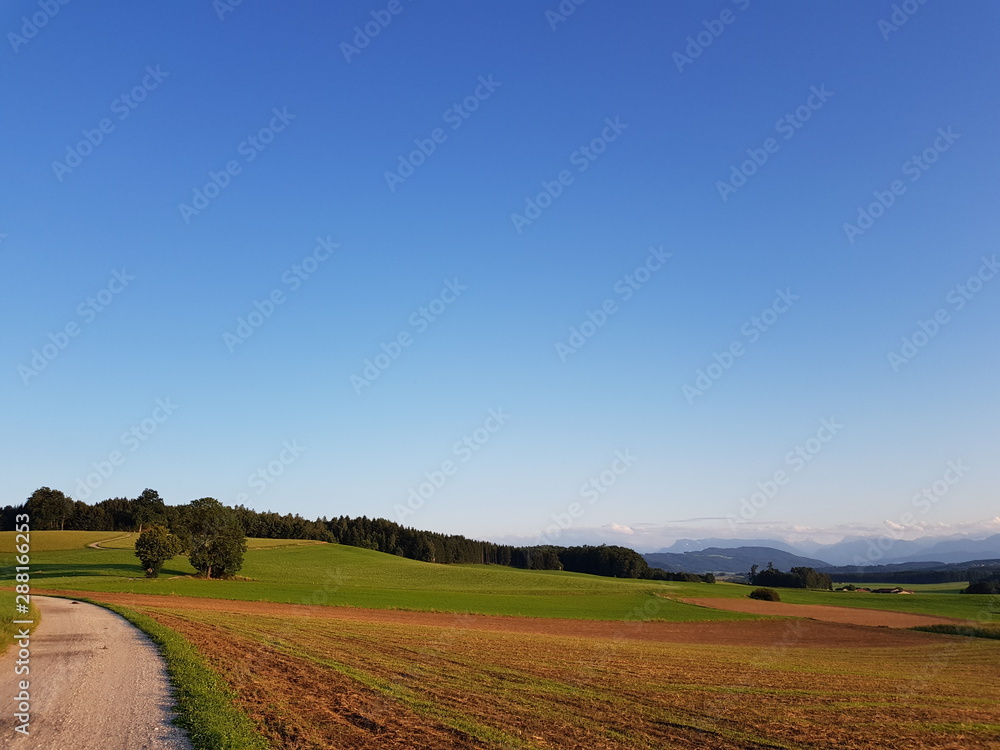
(864, 99)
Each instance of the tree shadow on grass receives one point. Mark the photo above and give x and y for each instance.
(102, 570)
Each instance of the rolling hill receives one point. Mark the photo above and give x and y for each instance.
(301, 572)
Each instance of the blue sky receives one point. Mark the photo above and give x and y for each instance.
(390, 184)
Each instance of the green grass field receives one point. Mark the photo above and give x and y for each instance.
(298, 572)
(932, 599)
(48, 541)
(52, 541)
(332, 682)
(7, 616)
(292, 572)
(127, 541)
(7, 613)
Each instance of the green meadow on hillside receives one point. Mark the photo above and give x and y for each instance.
(288, 571)
(301, 572)
(51, 541)
(48, 541)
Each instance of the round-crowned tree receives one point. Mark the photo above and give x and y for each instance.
(154, 547)
(214, 538)
(49, 508)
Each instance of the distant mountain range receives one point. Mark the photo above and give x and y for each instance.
(697, 545)
(732, 560)
(849, 551)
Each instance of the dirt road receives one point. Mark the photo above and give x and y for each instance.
(95, 683)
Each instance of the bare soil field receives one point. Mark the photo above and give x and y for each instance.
(847, 615)
(810, 634)
(318, 683)
(322, 677)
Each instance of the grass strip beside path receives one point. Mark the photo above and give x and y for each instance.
(205, 704)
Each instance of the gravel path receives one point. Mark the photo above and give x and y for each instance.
(96, 682)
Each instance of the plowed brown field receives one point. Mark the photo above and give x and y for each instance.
(750, 633)
(326, 677)
(847, 615)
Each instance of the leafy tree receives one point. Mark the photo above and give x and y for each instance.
(987, 585)
(154, 547)
(214, 538)
(148, 508)
(49, 508)
(798, 578)
(811, 579)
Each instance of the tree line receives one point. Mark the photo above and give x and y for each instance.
(52, 509)
(796, 578)
(983, 582)
(940, 575)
